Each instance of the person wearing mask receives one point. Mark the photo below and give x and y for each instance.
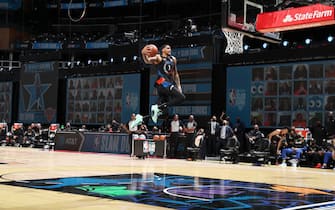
(252, 137)
(239, 131)
(225, 132)
(213, 131)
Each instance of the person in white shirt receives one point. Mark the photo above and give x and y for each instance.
(190, 130)
(131, 128)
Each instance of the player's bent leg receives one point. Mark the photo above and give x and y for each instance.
(173, 97)
(176, 96)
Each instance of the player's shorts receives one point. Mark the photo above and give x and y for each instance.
(163, 82)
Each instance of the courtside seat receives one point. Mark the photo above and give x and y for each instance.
(230, 151)
(194, 152)
(261, 154)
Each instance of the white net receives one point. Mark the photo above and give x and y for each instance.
(234, 42)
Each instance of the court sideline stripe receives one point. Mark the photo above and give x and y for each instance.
(309, 206)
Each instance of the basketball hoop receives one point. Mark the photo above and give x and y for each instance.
(82, 14)
(234, 41)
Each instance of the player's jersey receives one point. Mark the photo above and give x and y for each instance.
(165, 70)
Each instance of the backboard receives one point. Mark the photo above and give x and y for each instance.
(241, 15)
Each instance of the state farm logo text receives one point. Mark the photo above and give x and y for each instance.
(307, 16)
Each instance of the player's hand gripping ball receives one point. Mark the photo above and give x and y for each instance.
(150, 50)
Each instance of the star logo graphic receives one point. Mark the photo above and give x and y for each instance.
(36, 92)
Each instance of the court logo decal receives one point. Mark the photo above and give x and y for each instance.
(187, 192)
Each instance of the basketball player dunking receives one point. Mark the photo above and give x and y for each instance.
(167, 82)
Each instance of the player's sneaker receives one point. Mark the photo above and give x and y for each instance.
(294, 162)
(138, 121)
(283, 164)
(155, 113)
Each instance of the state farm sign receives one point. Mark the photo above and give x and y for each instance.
(308, 16)
(295, 18)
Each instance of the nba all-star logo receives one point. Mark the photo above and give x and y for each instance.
(237, 98)
(36, 92)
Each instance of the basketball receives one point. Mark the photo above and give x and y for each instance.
(162, 137)
(150, 50)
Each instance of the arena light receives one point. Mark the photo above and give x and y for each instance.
(89, 62)
(285, 43)
(308, 41)
(330, 38)
(112, 60)
(134, 58)
(78, 63)
(246, 47)
(100, 61)
(69, 63)
(265, 45)
(124, 59)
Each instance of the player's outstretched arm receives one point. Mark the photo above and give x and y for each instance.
(150, 55)
(151, 60)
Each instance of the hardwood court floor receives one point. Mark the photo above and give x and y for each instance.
(31, 164)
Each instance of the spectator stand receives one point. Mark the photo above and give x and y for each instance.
(143, 146)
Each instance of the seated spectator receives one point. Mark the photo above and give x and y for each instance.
(18, 134)
(108, 128)
(291, 145)
(314, 154)
(116, 127)
(68, 127)
(252, 137)
(83, 128)
(199, 142)
(329, 155)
